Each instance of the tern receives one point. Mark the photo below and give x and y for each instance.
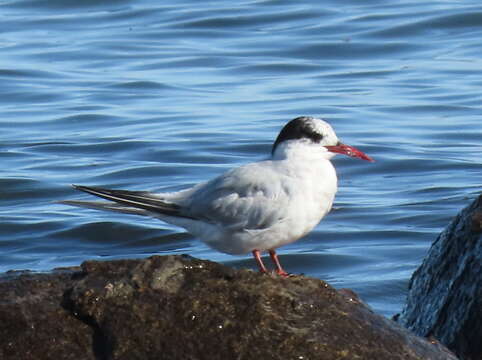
(256, 207)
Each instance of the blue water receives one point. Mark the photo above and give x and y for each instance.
(161, 95)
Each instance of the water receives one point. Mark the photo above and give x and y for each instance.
(159, 96)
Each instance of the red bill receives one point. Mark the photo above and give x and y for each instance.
(349, 151)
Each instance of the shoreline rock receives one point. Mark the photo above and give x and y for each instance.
(178, 307)
(445, 292)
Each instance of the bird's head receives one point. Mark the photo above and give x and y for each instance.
(307, 135)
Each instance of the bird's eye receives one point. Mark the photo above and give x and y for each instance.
(315, 137)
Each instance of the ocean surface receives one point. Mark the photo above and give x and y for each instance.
(149, 95)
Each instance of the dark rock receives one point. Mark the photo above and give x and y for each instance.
(175, 307)
(34, 325)
(445, 297)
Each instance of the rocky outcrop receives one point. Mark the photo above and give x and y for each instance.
(445, 296)
(33, 323)
(176, 307)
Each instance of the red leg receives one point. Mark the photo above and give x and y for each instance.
(279, 269)
(257, 257)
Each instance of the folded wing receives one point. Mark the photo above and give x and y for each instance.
(250, 197)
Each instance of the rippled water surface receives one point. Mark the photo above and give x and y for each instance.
(161, 95)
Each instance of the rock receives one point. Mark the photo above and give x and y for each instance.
(176, 307)
(445, 295)
(34, 325)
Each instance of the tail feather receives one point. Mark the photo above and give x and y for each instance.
(134, 202)
(109, 206)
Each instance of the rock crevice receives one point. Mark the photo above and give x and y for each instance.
(101, 347)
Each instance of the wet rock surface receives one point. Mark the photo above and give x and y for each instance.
(177, 307)
(445, 296)
(34, 325)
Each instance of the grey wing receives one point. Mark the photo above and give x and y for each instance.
(249, 197)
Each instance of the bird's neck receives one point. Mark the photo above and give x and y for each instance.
(302, 153)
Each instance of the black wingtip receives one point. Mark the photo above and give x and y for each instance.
(135, 199)
(79, 187)
(87, 189)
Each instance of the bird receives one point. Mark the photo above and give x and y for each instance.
(257, 207)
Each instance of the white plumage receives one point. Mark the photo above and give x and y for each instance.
(255, 207)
